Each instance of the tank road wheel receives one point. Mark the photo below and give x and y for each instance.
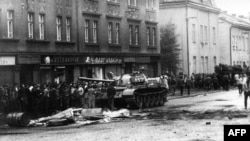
(139, 101)
(146, 101)
(157, 99)
(162, 100)
(152, 100)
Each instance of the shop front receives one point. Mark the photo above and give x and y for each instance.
(61, 68)
(67, 68)
(28, 66)
(149, 65)
(7, 70)
(100, 66)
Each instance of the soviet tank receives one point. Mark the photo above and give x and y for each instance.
(141, 91)
(132, 89)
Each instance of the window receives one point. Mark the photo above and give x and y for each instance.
(110, 33)
(68, 29)
(150, 4)
(153, 36)
(215, 61)
(117, 33)
(30, 25)
(194, 62)
(10, 23)
(206, 64)
(244, 43)
(241, 45)
(148, 36)
(201, 34)
(202, 64)
(132, 2)
(205, 34)
(59, 28)
(233, 42)
(130, 34)
(247, 44)
(236, 43)
(193, 33)
(115, 1)
(136, 35)
(86, 30)
(214, 35)
(94, 32)
(91, 31)
(41, 26)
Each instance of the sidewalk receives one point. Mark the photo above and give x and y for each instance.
(193, 93)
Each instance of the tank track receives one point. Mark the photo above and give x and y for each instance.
(150, 97)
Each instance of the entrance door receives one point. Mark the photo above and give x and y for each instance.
(26, 74)
(6, 76)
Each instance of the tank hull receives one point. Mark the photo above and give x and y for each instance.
(145, 97)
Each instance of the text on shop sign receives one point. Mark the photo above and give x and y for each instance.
(7, 61)
(103, 60)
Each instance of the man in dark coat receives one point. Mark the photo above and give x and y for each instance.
(23, 98)
(188, 84)
(181, 84)
(111, 93)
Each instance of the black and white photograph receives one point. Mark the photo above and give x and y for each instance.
(124, 70)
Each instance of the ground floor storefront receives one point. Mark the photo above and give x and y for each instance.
(41, 68)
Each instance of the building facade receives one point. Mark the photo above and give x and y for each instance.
(196, 23)
(46, 40)
(234, 39)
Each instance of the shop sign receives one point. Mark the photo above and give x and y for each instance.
(7, 61)
(103, 60)
(28, 59)
(62, 60)
(142, 59)
(129, 59)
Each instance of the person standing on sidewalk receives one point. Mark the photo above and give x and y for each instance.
(181, 84)
(239, 82)
(188, 84)
(111, 93)
(246, 89)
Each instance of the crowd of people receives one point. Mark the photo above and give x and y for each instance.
(198, 81)
(48, 98)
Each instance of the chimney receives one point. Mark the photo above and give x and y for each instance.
(234, 15)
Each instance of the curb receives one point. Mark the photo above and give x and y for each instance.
(197, 94)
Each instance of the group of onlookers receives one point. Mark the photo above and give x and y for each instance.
(48, 98)
(198, 81)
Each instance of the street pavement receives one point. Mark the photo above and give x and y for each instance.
(177, 95)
